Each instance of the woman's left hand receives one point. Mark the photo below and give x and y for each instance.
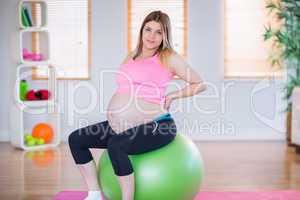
(169, 99)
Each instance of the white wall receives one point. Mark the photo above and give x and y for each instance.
(224, 105)
(6, 62)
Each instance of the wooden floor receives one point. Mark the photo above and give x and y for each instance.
(234, 166)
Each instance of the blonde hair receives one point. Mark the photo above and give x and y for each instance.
(165, 49)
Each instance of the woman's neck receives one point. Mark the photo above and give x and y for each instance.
(146, 53)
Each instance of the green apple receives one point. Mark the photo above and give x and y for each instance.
(30, 142)
(27, 137)
(40, 141)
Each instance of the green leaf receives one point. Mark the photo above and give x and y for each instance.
(268, 33)
(286, 40)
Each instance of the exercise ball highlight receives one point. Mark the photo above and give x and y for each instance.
(173, 172)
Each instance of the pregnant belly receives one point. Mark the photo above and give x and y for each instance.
(126, 111)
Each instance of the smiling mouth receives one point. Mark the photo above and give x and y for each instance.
(150, 41)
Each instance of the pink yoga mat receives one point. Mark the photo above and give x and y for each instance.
(270, 195)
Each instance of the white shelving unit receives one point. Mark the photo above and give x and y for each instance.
(26, 114)
(51, 86)
(43, 15)
(24, 42)
(20, 117)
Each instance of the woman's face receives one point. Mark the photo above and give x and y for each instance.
(152, 35)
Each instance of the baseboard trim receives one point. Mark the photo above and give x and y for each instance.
(243, 135)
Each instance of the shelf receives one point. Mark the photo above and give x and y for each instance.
(38, 103)
(25, 72)
(35, 63)
(33, 43)
(35, 29)
(28, 40)
(39, 147)
(41, 10)
(26, 119)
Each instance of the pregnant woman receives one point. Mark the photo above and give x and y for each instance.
(138, 120)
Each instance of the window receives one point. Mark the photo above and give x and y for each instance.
(177, 11)
(69, 26)
(246, 53)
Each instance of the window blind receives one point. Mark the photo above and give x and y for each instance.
(69, 30)
(246, 54)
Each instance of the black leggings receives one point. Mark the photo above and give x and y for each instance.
(139, 139)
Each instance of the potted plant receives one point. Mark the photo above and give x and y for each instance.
(284, 33)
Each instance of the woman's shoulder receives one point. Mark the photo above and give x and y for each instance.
(174, 58)
(177, 61)
(171, 59)
(128, 58)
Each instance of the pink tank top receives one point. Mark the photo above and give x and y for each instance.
(146, 79)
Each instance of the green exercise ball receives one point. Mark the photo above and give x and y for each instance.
(173, 172)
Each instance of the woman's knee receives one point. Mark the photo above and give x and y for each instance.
(74, 138)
